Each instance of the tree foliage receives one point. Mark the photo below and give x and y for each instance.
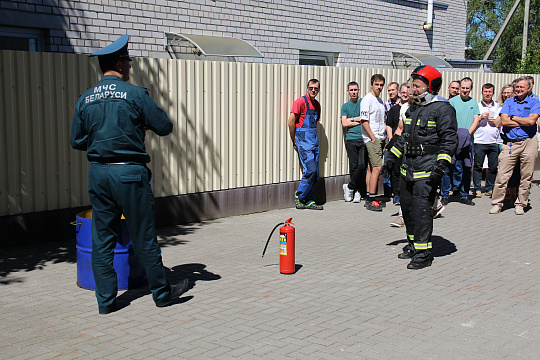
(485, 18)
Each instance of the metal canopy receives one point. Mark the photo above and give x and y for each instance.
(408, 60)
(212, 45)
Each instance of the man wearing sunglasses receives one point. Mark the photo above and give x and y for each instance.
(302, 125)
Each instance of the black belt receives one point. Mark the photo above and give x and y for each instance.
(513, 140)
(416, 150)
(119, 163)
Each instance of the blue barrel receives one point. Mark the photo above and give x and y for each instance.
(129, 272)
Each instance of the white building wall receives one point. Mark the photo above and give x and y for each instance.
(371, 30)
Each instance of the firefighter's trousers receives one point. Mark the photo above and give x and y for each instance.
(417, 199)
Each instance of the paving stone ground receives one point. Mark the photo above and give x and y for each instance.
(351, 298)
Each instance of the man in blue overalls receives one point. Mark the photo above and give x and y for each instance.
(109, 123)
(303, 130)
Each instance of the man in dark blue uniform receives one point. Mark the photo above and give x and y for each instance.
(109, 123)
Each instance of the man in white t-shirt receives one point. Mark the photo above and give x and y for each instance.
(486, 141)
(374, 134)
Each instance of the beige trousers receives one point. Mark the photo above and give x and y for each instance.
(526, 151)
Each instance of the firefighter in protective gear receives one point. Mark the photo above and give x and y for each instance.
(426, 146)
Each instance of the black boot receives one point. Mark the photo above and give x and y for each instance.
(413, 265)
(408, 252)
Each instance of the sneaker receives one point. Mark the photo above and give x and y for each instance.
(495, 209)
(374, 206)
(313, 206)
(176, 291)
(398, 222)
(298, 203)
(347, 193)
(478, 194)
(381, 203)
(519, 210)
(357, 197)
(466, 201)
(445, 201)
(438, 212)
(396, 200)
(488, 193)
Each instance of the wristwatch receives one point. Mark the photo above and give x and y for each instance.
(512, 117)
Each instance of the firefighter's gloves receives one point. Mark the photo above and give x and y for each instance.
(436, 175)
(388, 165)
(392, 141)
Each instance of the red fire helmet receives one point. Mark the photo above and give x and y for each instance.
(431, 76)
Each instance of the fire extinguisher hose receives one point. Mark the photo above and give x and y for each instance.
(269, 237)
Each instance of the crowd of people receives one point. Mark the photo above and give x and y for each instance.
(421, 142)
(417, 140)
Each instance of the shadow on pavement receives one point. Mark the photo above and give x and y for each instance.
(37, 256)
(168, 236)
(441, 246)
(193, 272)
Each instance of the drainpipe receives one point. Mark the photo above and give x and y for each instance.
(429, 20)
(525, 30)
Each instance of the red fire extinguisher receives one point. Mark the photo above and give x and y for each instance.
(286, 247)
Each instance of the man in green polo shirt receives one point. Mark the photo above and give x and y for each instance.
(468, 117)
(354, 144)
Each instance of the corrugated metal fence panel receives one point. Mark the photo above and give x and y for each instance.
(37, 97)
(230, 123)
(10, 150)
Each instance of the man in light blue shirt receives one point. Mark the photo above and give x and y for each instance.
(518, 116)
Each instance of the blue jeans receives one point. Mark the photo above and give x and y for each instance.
(386, 180)
(459, 176)
(462, 178)
(446, 182)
